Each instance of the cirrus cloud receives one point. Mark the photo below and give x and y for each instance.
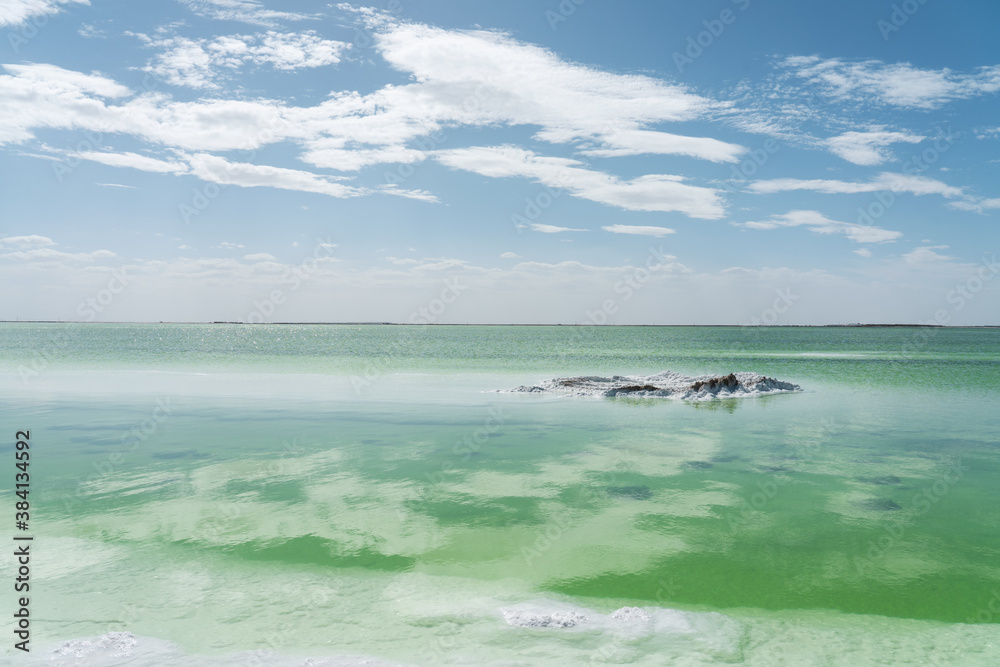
(641, 230)
(820, 224)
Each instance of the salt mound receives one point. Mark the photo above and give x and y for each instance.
(528, 619)
(665, 385)
(630, 614)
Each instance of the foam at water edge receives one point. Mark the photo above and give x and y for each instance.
(120, 648)
(113, 644)
(667, 384)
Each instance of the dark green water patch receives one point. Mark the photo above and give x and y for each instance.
(286, 491)
(880, 505)
(467, 510)
(182, 454)
(885, 480)
(635, 492)
(722, 582)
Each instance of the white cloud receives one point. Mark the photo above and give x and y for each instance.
(117, 185)
(532, 85)
(917, 185)
(419, 195)
(864, 252)
(52, 255)
(459, 78)
(640, 142)
(652, 192)
(134, 161)
(510, 255)
(899, 84)
(219, 170)
(868, 148)
(260, 257)
(13, 12)
(638, 229)
(244, 11)
(331, 154)
(926, 255)
(483, 78)
(551, 229)
(816, 222)
(200, 63)
(90, 31)
(227, 245)
(48, 96)
(976, 204)
(60, 80)
(32, 241)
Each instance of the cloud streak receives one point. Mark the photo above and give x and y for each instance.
(820, 224)
(652, 192)
(640, 230)
(896, 84)
(868, 148)
(916, 185)
(13, 12)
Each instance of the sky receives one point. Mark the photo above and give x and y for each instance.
(550, 161)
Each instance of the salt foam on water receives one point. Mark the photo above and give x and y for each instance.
(665, 385)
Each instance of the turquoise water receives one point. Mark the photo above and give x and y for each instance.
(282, 493)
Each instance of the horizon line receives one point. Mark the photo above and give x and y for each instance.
(856, 325)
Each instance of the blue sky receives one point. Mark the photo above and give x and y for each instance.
(730, 162)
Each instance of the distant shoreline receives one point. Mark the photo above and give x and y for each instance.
(477, 324)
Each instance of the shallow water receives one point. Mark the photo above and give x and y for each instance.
(279, 493)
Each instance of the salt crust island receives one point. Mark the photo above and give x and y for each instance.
(665, 385)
